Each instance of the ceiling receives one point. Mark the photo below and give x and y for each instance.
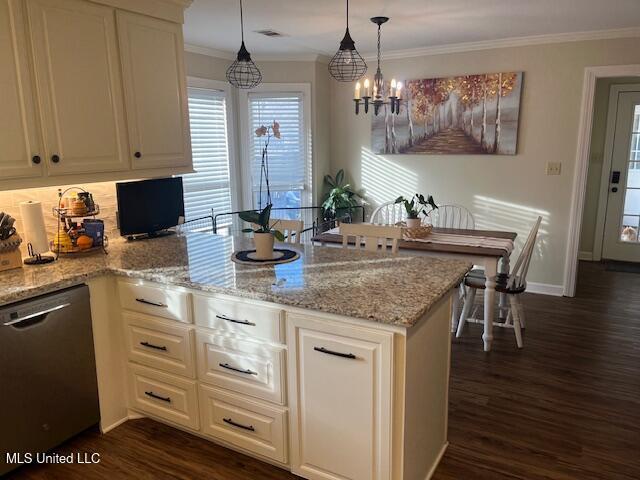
(316, 27)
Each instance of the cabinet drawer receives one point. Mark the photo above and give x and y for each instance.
(160, 344)
(239, 318)
(245, 367)
(248, 424)
(154, 300)
(166, 396)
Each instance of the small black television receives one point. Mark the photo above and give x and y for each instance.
(147, 208)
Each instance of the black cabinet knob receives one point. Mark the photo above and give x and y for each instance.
(55, 158)
(137, 155)
(36, 159)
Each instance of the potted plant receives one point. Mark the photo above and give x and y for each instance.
(416, 206)
(263, 234)
(341, 197)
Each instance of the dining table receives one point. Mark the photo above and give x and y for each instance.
(488, 249)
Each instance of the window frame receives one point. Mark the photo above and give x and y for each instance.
(235, 180)
(303, 89)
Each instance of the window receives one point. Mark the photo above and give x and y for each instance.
(289, 157)
(209, 189)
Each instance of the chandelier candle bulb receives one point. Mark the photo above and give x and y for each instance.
(392, 92)
(357, 94)
(366, 87)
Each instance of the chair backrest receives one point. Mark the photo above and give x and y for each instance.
(373, 236)
(389, 213)
(452, 216)
(518, 275)
(292, 229)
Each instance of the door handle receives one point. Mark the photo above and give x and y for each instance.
(350, 356)
(239, 425)
(615, 177)
(151, 345)
(149, 302)
(37, 314)
(614, 189)
(158, 397)
(239, 370)
(233, 320)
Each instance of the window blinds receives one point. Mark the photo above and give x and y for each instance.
(209, 188)
(286, 155)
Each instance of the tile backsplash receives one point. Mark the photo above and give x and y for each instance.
(104, 194)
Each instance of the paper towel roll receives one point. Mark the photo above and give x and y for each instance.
(33, 227)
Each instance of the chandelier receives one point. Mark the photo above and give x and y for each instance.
(347, 65)
(376, 98)
(243, 73)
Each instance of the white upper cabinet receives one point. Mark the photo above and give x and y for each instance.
(77, 68)
(155, 91)
(21, 153)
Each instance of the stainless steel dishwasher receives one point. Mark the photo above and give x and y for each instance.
(48, 386)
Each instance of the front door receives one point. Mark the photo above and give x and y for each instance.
(622, 221)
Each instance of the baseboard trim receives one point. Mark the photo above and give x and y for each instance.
(437, 462)
(545, 289)
(588, 256)
(107, 429)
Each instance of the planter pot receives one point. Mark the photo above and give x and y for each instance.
(264, 245)
(413, 222)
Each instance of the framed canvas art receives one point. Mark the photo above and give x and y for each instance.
(469, 114)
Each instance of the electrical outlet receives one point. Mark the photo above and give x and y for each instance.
(554, 168)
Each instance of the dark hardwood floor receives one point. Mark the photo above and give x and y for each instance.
(567, 406)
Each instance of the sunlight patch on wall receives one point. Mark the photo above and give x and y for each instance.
(384, 180)
(493, 214)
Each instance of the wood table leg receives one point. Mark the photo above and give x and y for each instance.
(490, 271)
(504, 301)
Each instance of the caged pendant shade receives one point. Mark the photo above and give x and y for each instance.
(347, 65)
(243, 72)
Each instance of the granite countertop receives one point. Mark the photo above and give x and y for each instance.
(376, 286)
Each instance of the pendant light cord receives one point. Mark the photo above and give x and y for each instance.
(241, 23)
(347, 14)
(378, 47)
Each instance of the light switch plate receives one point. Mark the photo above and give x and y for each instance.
(554, 168)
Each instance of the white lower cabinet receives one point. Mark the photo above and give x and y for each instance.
(250, 368)
(340, 379)
(249, 424)
(163, 395)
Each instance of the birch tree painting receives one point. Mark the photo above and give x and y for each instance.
(470, 114)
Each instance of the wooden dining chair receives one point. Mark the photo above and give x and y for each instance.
(291, 229)
(453, 216)
(512, 284)
(372, 236)
(389, 213)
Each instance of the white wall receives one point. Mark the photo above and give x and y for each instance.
(504, 192)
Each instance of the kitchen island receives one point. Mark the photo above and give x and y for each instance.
(334, 366)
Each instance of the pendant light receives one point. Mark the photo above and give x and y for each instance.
(377, 97)
(243, 73)
(347, 65)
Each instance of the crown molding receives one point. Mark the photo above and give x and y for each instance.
(274, 57)
(508, 42)
(210, 52)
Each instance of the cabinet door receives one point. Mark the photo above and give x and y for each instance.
(341, 390)
(20, 142)
(155, 91)
(78, 73)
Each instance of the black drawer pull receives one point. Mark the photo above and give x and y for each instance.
(151, 345)
(241, 322)
(239, 425)
(158, 397)
(55, 158)
(148, 302)
(239, 370)
(36, 159)
(337, 354)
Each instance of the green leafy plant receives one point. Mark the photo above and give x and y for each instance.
(261, 219)
(417, 205)
(341, 197)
